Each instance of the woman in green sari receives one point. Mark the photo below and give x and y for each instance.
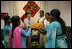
(6, 30)
(55, 31)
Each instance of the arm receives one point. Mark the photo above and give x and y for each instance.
(25, 33)
(42, 30)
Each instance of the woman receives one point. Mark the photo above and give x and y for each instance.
(6, 30)
(55, 31)
(17, 34)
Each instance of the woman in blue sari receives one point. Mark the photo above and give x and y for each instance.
(55, 31)
(6, 30)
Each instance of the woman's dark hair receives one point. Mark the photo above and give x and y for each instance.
(56, 13)
(41, 11)
(6, 18)
(15, 20)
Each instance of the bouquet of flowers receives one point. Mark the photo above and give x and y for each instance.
(35, 28)
(37, 25)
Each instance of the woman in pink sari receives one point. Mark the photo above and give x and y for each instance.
(17, 34)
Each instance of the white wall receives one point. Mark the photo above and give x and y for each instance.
(64, 7)
(16, 8)
(4, 8)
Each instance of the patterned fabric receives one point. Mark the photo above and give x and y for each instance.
(3, 15)
(53, 41)
(32, 7)
(68, 36)
(6, 36)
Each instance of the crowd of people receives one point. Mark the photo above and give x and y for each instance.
(52, 35)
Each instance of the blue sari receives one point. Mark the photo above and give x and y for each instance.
(54, 41)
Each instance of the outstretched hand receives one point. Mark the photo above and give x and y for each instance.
(42, 30)
(28, 27)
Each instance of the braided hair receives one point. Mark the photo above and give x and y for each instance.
(56, 13)
(15, 20)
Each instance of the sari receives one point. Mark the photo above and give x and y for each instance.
(54, 41)
(6, 36)
(17, 38)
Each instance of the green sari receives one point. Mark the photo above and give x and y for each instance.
(6, 36)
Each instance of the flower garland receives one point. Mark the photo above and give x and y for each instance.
(37, 25)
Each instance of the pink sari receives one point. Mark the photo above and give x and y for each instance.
(17, 38)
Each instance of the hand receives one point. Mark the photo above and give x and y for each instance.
(24, 27)
(28, 27)
(42, 30)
